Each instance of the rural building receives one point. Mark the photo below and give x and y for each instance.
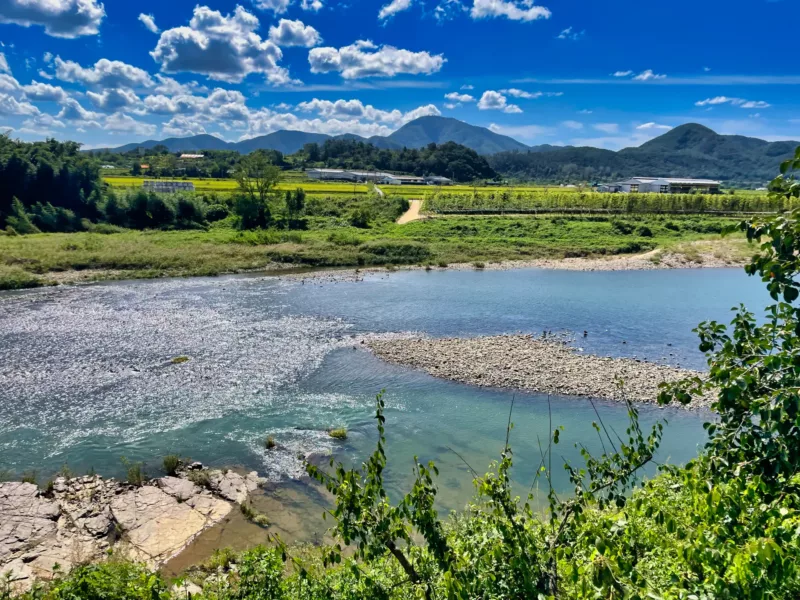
(664, 185)
(330, 175)
(436, 180)
(108, 167)
(402, 180)
(681, 186)
(191, 156)
(168, 187)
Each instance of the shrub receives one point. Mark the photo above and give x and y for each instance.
(338, 434)
(621, 227)
(135, 473)
(16, 278)
(361, 217)
(252, 515)
(30, 477)
(270, 443)
(170, 464)
(200, 478)
(217, 212)
(644, 231)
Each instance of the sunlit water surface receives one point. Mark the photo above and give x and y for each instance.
(86, 373)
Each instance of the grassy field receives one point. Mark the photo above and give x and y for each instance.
(26, 261)
(230, 185)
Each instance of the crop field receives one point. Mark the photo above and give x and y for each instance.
(230, 185)
(429, 191)
(541, 201)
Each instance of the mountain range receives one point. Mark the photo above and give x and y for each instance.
(414, 134)
(690, 150)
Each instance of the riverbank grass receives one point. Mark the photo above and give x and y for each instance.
(42, 259)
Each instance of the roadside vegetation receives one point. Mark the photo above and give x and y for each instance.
(722, 526)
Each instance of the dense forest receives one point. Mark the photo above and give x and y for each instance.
(687, 151)
(448, 160)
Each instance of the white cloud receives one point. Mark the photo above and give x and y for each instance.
(395, 6)
(119, 122)
(355, 109)
(648, 75)
(622, 73)
(277, 6)
(740, 102)
(266, 121)
(585, 111)
(653, 126)
(4, 68)
(104, 73)
(570, 34)
(365, 59)
(573, 124)
(456, 97)
(522, 11)
(9, 84)
(448, 9)
(467, 86)
(492, 100)
(516, 93)
(221, 47)
(528, 132)
(44, 92)
(311, 5)
(180, 126)
(47, 57)
(60, 18)
(294, 33)
(112, 100)
(149, 21)
(71, 110)
(451, 106)
(11, 106)
(45, 75)
(606, 127)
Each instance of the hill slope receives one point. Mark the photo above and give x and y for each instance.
(426, 130)
(690, 150)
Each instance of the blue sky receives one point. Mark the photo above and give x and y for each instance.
(609, 74)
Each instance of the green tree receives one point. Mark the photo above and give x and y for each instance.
(257, 177)
(19, 219)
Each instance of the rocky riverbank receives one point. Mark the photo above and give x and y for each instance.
(528, 363)
(79, 519)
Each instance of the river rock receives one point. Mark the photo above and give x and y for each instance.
(233, 486)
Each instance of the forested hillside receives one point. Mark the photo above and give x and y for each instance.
(687, 151)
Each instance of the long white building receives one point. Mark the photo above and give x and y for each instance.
(374, 176)
(662, 185)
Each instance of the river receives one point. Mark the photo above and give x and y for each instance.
(86, 373)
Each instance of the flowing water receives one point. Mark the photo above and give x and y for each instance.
(86, 373)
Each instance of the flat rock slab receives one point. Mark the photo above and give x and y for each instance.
(233, 486)
(157, 526)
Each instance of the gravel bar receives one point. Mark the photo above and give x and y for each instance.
(528, 363)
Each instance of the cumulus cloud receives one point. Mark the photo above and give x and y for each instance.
(365, 59)
(395, 6)
(44, 92)
(71, 110)
(277, 6)
(356, 109)
(222, 47)
(448, 9)
(115, 99)
(492, 100)
(451, 105)
(607, 127)
(311, 5)
(294, 33)
(104, 73)
(467, 86)
(266, 121)
(11, 106)
(60, 18)
(122, 123)
(4, 68)
(573, 124)
(522, 11)
(622, 73)
(41, 124)
(740, 102)
(648, 75)
(149, 21)
(651, 125)
(456, 97)
(9, 84)
(182, 127)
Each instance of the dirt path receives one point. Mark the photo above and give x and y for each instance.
(412, 214)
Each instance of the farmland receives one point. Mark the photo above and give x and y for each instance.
(543, 201)
(230, 185)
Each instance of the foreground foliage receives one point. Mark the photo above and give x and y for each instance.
(724, 526)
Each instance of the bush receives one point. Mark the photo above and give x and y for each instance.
(644, 231)
(135, 473)
(361, 218)
(621, 227)
(217, 212)
(15, 278)
(338, 434)
(171, 464)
